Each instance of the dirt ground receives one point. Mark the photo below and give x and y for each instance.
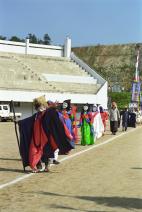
(104, 179)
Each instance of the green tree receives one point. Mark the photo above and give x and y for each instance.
(46, 39)
(15, 38)
(2, 37)
(40, 41)
(33, 38)
(122, 99)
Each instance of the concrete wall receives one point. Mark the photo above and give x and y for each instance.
(26, 98)
(102, 96)
(26, 108)
(29, 48)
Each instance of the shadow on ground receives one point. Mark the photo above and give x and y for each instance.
(136, 168)
(121, 202)
(12, 170)
(14, 159)
(70, 208)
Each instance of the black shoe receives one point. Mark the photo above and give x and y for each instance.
(56, 162)
(39, 166)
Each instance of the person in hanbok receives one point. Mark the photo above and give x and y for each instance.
(87, 130)
(41, 135)
(53, 160)
(104, 116)
(97, 122)
(55, 105)
(65, 117)
(41, 146)
(73, 119)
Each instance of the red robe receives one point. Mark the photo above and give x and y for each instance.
(39, 140)
(104, 116)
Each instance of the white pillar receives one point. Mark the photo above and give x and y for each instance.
(27, 46)
(67, 47)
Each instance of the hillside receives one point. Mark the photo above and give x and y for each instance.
(115, 63)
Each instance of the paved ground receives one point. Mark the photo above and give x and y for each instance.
(105, 178)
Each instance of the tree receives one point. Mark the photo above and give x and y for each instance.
(40, 41)
(33, 38)
(46, 39)
(122, 98)
(2, 37)
(15, 38)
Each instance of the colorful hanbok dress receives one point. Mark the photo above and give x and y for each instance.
(87, 134)
(73, 119)
(68, 123)
(97, 123)
(104, 116)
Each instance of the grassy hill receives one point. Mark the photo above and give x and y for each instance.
(115, 63)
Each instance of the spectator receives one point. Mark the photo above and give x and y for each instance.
(114, 118)
(125, 117)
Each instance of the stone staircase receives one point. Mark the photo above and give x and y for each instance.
(25, 72)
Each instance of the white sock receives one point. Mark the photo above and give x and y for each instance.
(56, 154)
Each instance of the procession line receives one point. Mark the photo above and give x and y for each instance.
(67, 158)
(96, 146)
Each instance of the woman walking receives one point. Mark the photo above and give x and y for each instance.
(114, 118)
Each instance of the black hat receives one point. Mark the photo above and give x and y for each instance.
(68, 104)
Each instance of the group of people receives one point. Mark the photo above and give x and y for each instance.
(129, 117)
(41, 136)
(93, 123)
(53, 130)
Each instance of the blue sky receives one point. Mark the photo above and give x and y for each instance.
(87, 22)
